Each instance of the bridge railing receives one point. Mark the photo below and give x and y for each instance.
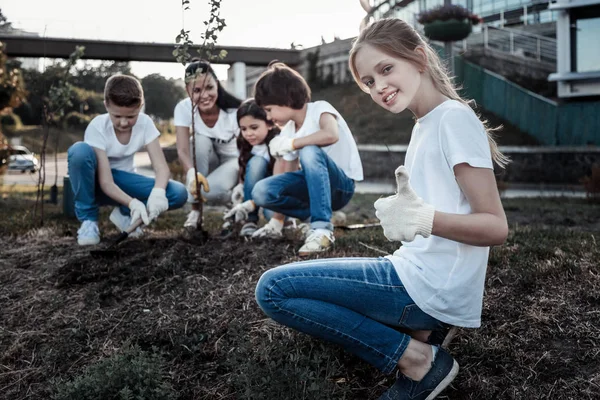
(515, 42)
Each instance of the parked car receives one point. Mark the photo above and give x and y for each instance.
(21, 159)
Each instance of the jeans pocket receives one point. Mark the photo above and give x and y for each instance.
(415, 319)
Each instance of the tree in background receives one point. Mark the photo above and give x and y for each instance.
(93, 77)
(12, 89)
(161, 95)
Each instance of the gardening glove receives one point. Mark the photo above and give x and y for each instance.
(281, 145)
(138, 210)
(404, 215)
(190, 182)
(157, 203)
(240, 212)
(237, 194)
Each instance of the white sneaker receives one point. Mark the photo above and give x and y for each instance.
(192, 219)
(269, 231)
(122, 222)
(317, 241)
(248, 229)
(88, 233)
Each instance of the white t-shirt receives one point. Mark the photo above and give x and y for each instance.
(226, 127)
(261, 150)
(445, 278)
(343, 152)
(100, 133)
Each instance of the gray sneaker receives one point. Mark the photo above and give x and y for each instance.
(443, 371)
(248, 229)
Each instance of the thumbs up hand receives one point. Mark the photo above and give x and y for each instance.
(404, 215)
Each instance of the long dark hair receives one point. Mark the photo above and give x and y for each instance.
(250, 108)
(225, 100)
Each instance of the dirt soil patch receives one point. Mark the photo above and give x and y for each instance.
(62, 310)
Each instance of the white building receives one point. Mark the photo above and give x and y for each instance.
(578, 52)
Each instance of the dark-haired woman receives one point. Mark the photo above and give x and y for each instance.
(255, 164)
(215, 129)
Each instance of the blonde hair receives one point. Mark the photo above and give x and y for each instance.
(398, 39)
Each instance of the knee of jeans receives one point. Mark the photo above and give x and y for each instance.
(261, 194)
(310, 155)
(180, 195)
(79, 153)
(270, 290)
(256, 168)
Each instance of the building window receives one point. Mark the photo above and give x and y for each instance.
(585, 31)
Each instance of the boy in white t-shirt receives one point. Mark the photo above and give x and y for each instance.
(318, 159)
(101, 167)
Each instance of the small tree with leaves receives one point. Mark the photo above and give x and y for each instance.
(206, 50)
(59, 98)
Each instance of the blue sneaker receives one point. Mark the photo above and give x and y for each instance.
(443, 371)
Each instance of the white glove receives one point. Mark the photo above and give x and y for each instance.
(157, 203)
(190, 177)
(281, 145)
(237, 194)
(190, 183)
(271, 230)
(240, 212)
(138, 210)
(404, 215)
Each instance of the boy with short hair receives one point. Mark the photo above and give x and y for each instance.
(101, 167)
(318, 159)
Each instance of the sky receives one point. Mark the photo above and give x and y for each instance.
(258, 23)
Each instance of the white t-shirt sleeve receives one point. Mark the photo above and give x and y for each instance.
(182, 116)
(94, 134)
(464, 139)
(324, 107)
(150, 130)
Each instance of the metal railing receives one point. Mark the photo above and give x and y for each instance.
(512, 41)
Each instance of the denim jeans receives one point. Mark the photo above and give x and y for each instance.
(82, 164)
(257, 169)
(314, 191)
(222, 163)
(354, 302)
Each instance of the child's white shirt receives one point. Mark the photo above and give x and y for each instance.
(261, 150)
(225, 129)
(100, 133)
(344, 152)
(445, 278)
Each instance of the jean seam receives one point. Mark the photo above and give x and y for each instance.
(395, 358)
(335, 331)
(390, 360)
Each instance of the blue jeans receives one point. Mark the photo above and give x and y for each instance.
(314, 191)
(257, 169)
(354, 302)
(88, 195)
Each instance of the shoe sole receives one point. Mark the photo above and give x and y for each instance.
(87, 242)
(445, 382)
(306, 254)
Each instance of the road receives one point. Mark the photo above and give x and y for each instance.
(142, 161)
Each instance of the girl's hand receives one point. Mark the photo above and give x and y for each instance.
(237, 194)
(157, 203)
(404, 215)
(241, 211)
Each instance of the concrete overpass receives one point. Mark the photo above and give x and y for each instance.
(33, 46)
(238, 57)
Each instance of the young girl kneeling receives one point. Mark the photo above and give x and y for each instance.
(256, 163)
(447, 212)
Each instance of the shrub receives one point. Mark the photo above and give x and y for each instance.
(10, 121)
(132, 374)
(444, 13)
(76, 120)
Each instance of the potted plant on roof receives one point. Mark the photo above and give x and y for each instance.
(448, 23)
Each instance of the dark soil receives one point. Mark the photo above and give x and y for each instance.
(62, 309)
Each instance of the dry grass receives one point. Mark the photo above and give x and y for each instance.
(62, 310)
